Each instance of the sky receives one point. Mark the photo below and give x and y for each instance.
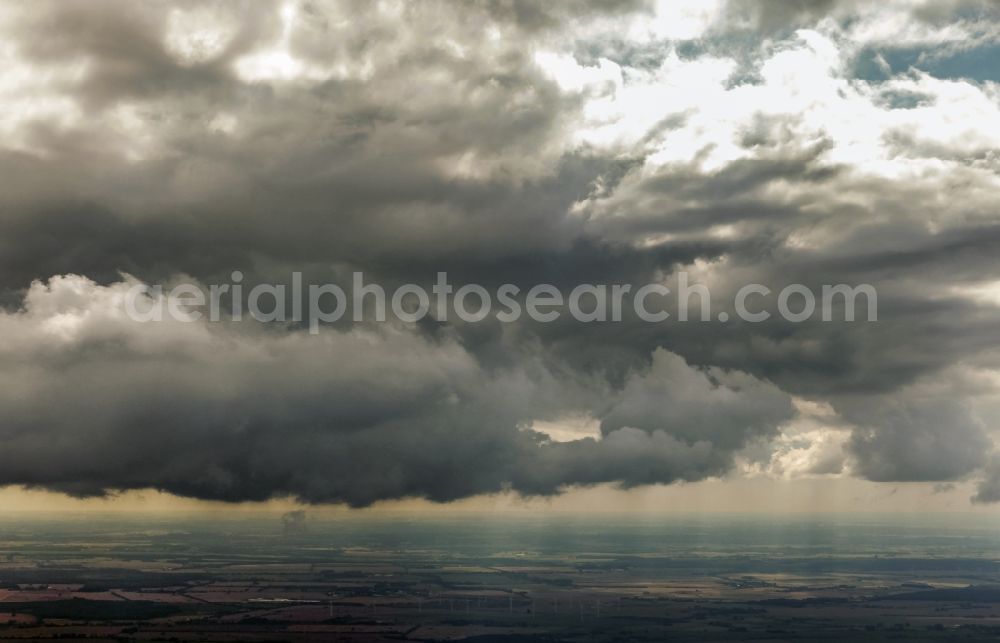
(502, 141)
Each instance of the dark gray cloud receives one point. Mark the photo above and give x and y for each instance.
(989, 487)
(173, 140)
(236, 412)
(902, 440)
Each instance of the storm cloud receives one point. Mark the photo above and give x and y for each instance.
(503, 142)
